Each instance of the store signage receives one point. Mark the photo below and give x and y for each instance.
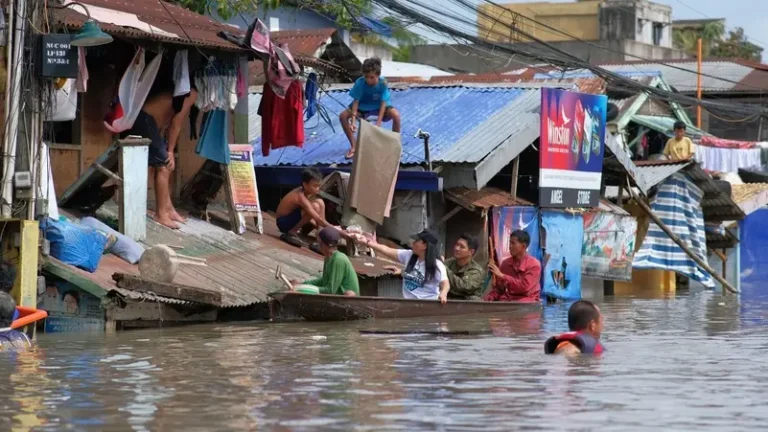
(571, 150)
(59, 57)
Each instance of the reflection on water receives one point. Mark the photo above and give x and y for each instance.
(684, 363)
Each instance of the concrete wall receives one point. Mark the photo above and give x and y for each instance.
(364, 51)
(580, 20)
(476, 59)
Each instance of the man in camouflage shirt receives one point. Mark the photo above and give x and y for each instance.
(466, 276)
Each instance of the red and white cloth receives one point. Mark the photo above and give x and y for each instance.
(133, 91)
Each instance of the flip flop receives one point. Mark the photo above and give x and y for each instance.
(314, 247)
(292, 239)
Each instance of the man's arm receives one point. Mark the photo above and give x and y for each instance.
(469, 285)
(333, 274)
(523, 285)
(176, 124)
(568, 349)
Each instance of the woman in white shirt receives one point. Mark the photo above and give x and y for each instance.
(424, 277)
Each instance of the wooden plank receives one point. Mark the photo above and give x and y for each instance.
(515, 173)
(132, 205)
(92, 175)
(62, 162)
(181, 292)
(146, 311)
(108, 173)
(449, 215)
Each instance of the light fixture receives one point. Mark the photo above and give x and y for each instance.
(90, 34)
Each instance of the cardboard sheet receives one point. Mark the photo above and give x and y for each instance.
(374, 171)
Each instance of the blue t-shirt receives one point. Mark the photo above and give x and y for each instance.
(370, 97)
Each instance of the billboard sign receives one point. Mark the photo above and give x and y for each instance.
(571, 150)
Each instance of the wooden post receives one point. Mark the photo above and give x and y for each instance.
(515, 171)
(682, 245)
(725, 266)
(698, 86)
(132, 179)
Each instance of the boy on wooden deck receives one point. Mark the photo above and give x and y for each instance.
(371, 97)
(301, 209)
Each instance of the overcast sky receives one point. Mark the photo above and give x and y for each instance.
(749, 14)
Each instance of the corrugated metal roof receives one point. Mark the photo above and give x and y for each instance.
(666, 125)
(593, 85)
(685, 80)
(655, 172)
(308, 42)
(242, 269)
(466, 123)
(402, 69)
(484, 198)
(176, 24)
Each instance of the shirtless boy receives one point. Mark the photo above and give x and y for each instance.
(302, 208)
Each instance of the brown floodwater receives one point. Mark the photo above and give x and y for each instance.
(692, 362)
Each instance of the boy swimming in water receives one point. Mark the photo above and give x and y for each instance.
(371, 97)
(586, 324)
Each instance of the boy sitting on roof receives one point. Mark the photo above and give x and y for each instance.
(680, 146)
(339, 277)
(371, 97)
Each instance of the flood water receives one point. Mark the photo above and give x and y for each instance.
(694, 362)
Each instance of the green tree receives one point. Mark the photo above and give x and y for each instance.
(737, 46)
(710, 33)
(343, 11)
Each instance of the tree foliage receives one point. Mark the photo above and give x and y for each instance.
(344, 12)
(714, 42)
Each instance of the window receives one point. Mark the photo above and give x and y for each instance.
(658, 32)
(65, 132)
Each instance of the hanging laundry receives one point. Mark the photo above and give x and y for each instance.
(281, 68)
(310, 94)
(216, 87)
(282, 119)
(132, 93)
(727, 159)
(64, 107)
(213, 143)
(181, 73)
(82, 71)
(242, 78)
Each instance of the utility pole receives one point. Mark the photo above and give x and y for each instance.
(698, 85)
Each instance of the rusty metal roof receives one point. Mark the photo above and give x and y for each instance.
(150, 20)
(308, 43)
(484, 198)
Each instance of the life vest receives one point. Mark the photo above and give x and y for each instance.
(584, 342)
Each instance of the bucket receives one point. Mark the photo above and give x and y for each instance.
(307, 289)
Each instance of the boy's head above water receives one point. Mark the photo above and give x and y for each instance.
(7, 308)
(311, 179)
(679, 130)
(372, 70)
(584, 316)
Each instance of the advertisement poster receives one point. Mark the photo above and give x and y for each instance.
(571, 149)
(609, 246)
(70, 309)
(509, 219)
(242, 179)
(562, 235)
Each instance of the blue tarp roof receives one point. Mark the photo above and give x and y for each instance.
(466, 123)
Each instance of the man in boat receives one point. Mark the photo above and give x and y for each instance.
(302, 209)
(9, 338)
(339, 276)
(518, 278)
(586, 325)
(465, 275)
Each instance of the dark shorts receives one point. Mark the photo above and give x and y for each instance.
(289, 221)
(375, 114)
(146, 127)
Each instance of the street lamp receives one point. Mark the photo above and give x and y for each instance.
(91, 34)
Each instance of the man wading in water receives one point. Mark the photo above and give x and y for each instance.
(586, 324)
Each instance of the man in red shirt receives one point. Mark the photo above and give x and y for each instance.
(519, 277)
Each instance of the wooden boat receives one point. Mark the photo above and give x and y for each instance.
(321, 307)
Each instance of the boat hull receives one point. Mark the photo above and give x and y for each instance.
(320, 307)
